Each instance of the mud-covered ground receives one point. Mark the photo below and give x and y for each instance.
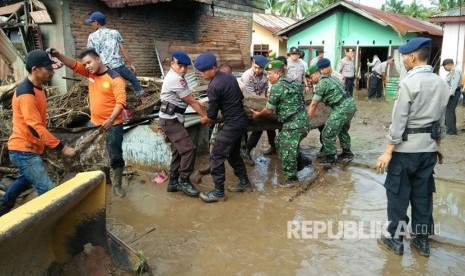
(248, 233)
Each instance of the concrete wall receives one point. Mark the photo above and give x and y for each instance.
(453, 44)
(261, 35)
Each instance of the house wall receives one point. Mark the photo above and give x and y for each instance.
(261, 35)
(453, 45)
(229, 23)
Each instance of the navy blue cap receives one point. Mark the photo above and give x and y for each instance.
(260, 60)
(294, 50)
(96, 16)
(323, 63)
(205, 61)
(181, 57)
(415, 44)
(40, 58)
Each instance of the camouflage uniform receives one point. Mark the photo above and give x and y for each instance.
(331, 92)
(287, 100)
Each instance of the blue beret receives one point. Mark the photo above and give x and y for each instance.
(323, 63)
(260, 60)
(181, 57)
(415, 44)
(205, 61)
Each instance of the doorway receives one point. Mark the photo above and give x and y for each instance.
(366, 54)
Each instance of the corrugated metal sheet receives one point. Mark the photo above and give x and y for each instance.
(40, 17)
(7, 10)
(450, 13)
(401, 23)
(128, 3)
(273, 23)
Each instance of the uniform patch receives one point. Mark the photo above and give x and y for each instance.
(106, 85)
(183, 83)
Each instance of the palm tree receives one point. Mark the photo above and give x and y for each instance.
(394, 6)
(443, 5)
(416, 10)
(296, 8)
(321, 4)
(274, 6)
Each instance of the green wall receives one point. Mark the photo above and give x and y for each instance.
(343, 28)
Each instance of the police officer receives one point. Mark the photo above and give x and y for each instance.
(346, 67)
(175, 97)
(412, 150)
(287, 100)
(255, 82)
(331, 92)
(296, 69)
(377, 76)
(453, 79)
(224, 94)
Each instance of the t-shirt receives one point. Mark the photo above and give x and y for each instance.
(225, 95)
(174, 88)
(106, 42)
(106, 91)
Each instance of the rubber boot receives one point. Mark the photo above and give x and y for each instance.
(346, 154)
(116, 176)
(329, 159)
(4, 209)
(173, 184)
(302, 161)
(395, 245)
(215, 195)
(186, 186)
(242, 186)
(247, 157)
(421, 244)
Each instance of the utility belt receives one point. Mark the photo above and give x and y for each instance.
(435, 130)
(376, 74)
(170, 108)
(293, 115)
(344, 97)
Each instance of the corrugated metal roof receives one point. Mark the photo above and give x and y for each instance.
(450, 13)
(273, 23)
(7, 10)
(401, 23)
(128, 3)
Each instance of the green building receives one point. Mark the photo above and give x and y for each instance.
(368, 30)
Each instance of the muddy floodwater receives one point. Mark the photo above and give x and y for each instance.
(248, 233)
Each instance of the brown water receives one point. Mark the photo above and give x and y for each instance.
(247, 234)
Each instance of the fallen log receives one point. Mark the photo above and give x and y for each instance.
(6, 91)
(318, 172)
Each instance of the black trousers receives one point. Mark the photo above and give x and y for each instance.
(227, 147)
(410, 180)
(182, 147)
(255, 136)
(349, 85)
(376, 87)
(451, 119)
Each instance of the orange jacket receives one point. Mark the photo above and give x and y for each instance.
(105, 92)
(29, 121)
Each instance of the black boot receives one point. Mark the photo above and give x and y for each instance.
(173, 184)
(247, 157)
(242, 186)
(421, 244)
(395, 245)
(4, 209)
(217, 194)
(328, 160)
(186, 186)
(346, 154)
(302, 161)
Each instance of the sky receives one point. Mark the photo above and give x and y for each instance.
(378, 3)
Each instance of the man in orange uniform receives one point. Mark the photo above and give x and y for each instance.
(30, 135)
(107, 100)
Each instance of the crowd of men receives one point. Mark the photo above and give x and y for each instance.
(425, 103)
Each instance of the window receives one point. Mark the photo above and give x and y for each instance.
(261, 49)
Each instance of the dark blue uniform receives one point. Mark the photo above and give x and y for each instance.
(225, 95)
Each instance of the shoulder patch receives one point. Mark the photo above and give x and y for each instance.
(113, 74)
(183, 82)
(26, 87)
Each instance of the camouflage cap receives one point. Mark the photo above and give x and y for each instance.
(274, 64)
(312, 69)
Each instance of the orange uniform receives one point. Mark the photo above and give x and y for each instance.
(105, 92)
(29, 121)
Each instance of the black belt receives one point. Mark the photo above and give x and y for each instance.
(344, 97)
(418, 130)
(179, 110)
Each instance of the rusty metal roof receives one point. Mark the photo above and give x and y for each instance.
(450, 13)
(400, 23)
(128, 3)
(273, 23)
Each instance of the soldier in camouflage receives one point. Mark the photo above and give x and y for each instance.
(287, 100)
(331, 92)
